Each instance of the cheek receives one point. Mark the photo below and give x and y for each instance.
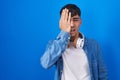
(77, 25)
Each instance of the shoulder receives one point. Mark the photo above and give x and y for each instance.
(93, 46)
(90, 41)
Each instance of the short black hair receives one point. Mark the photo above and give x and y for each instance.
(75, 10)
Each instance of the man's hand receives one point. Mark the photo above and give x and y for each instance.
(65, 20)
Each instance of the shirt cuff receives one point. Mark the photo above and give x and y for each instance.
(64, 35)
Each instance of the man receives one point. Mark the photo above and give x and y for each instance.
(75, 56)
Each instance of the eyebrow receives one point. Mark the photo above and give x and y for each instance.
(76, 18)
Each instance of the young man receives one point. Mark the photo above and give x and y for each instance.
(75, 56)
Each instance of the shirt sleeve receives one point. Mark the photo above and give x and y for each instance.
(54, 49)
(102, 70)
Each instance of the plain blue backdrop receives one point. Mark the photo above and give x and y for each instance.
(26, 26)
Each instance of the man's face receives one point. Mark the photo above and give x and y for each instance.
(75, 24)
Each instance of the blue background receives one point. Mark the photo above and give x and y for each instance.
(26, 26)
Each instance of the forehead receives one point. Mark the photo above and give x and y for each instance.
(75, 17)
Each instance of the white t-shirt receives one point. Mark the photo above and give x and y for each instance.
(75, 64)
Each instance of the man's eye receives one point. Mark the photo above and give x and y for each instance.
(76, 20)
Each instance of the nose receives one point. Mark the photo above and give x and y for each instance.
(72, 24)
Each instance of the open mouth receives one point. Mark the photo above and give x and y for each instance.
(72, 30)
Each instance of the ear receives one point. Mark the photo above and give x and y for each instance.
(80, 21)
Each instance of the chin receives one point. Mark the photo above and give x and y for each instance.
(72, 35)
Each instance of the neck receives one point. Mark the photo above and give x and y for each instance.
(74, 37)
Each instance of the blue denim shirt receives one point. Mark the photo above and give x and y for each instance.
(55, 48)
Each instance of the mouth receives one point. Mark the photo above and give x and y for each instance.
(72, 30)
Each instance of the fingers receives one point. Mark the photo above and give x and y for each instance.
(63, 14)
(69, 17)
(66, 15)
(69, 20)
(65, 20)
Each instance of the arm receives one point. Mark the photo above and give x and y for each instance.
(55, 49)
(102, 70)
